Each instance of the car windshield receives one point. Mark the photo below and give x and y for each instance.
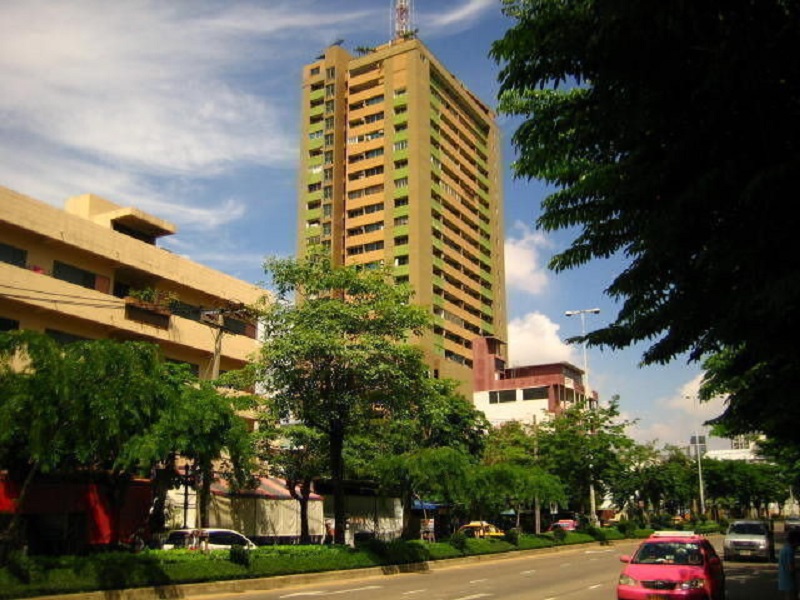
(668, 553)
(748, 528)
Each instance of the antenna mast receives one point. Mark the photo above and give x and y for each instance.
(401, 18)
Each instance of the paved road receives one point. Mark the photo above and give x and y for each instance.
(586, 573)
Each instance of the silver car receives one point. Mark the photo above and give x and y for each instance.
(206, 539)
(749, 539)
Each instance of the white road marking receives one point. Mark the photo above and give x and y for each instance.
(595, 586)
(361, 589)
(478, 580)
(531, 572)
(473, 597)
(315, 593)
(413, 592)
(565, 565)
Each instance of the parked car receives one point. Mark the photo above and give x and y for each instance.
(565, 524)
(672, 564)
(791, 523)
(749, 539)
(480, 529)
(208, 539)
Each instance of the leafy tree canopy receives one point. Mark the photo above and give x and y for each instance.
(670, 132)
(338, 352)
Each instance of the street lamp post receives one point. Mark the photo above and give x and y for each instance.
(699, 460)
(588, 393)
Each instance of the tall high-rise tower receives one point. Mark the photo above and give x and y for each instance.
(400, 166)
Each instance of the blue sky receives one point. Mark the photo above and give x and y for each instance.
(189, 109)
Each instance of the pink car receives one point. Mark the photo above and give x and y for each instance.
(672, 564)
(565, 524)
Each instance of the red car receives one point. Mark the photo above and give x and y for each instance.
(565, 524)
(672, 564)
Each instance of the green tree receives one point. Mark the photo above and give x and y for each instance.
(669, 131)
(582, 446)
(106, 407)
(401, 450)
(339, 356)
(301, 457)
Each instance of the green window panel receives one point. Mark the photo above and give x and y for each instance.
(315, 143)
(401, 135)
(315, 161)
(438, 280)
(317, 94)
(400, 192)
(314, 178)
(438, 262)
(400, 230)
(401, 154)
(487, 292)
(438, 244)
(312, 231)
(316, 110)
(401, 271)
(400, 211)
(399, 173)
(311, 196)
(314, 213)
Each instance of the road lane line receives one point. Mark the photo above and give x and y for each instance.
(473, 597)
(595, 586)
(361, 589)
(531, 572)
(478, 580)
(314, 593)
(410, 592)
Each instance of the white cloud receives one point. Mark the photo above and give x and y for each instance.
(533, 339)
(679, 417)
(460, 17)
(524, 268)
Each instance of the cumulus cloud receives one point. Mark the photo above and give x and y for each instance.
(524, 269)
(534, 339)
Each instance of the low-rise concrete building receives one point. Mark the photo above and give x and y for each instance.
(528, 394)
(93, 271)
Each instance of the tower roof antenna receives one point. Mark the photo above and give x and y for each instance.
(402, 13)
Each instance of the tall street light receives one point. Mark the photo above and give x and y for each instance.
(699, 458)
(588, 393)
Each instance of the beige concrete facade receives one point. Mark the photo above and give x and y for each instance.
(73, 272)
(400, 166)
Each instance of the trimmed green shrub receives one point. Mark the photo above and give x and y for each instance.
(531, 542)
(512, 536)
(240, 555)
(459, 541)
(559, 534)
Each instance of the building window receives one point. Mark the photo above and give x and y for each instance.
(327, 209)
(501, 396)
(401, 145)
(401, 221)
(314, 71)
(399, 261)
(329, 121)
(330, 72)
(75, 275)
(8, 324)
(401, 240)
(401, 202)
(537, 393)
(63, 338)
(329, 106)
(12, 255)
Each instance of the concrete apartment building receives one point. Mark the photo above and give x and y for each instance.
(529, 394)
(400, 166)
(73, 274)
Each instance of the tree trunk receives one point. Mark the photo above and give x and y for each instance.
(206, 474)
(337, 475)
